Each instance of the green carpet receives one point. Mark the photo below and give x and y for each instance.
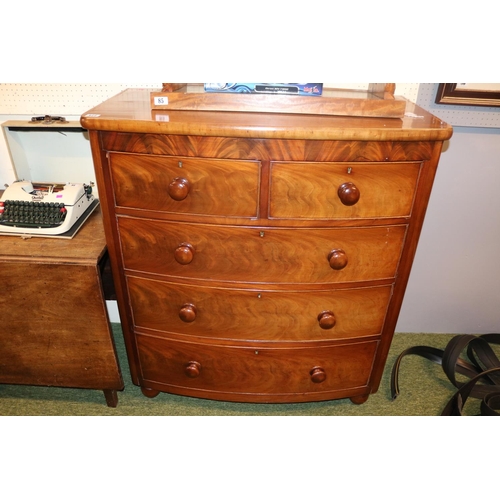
(424, 388)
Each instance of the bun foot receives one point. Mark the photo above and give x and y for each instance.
(359, 400)
(150, 393)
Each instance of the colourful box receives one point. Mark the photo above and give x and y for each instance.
(312, 89)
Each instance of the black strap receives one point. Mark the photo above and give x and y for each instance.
(482, 368)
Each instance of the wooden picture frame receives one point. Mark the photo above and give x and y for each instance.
(469, 94)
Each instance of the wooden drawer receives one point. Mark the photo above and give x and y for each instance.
(259, 255)
(254, 373)
(272, 315)
(320, 190)
(186, 185)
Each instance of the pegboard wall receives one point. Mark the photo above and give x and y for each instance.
(75, 99)
(457, 116)
(57, 98)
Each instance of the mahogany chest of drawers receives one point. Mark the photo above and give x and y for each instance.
(260, 257)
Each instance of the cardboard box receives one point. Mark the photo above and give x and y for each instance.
(312, 89)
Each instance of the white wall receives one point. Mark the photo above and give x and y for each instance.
(454, 286)
(455, 282)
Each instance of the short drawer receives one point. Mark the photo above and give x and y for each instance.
(261, 255)
(273, 315)
(207, 370)
(301, 190)
(186, 185)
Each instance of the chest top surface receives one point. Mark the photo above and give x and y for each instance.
(130, 111)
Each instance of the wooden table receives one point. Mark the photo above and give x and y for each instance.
(55, 328)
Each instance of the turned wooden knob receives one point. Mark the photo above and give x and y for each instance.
(318, 375)
(184, 253)
(192, 369)
(178, 189)
(348, 194)
(188, 313)
(326, 320)
(337, 259)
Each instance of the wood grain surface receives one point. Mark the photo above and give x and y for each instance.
(263, 256)
(258, 314)
(260, 254)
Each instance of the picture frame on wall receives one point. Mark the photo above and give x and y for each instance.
(469, 94)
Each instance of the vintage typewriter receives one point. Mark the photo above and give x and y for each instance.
(45, 209)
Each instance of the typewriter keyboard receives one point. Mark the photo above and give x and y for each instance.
(31, 214)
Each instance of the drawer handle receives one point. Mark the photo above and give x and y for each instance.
(337, 259)
(184, 253)
(318, 374)
(348, 194)
(188, 313)
(192, 369)
(326, 320)
(178, 189)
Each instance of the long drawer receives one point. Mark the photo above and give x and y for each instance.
(253, 373)
(176, 184)
(325, 190)
(273, 315)
(261, 255)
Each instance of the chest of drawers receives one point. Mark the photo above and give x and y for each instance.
(260, 257)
